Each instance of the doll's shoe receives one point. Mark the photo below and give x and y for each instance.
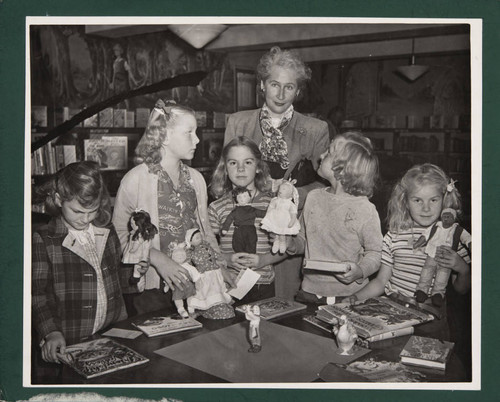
(283, 246)
(190, 310)
(183, 313)
(420, 296)
(276, 247)
(437, 299)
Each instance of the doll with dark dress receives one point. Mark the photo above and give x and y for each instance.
(243, 218)
(281, 217)
(446, 232)
(211, 296)
(141, 233)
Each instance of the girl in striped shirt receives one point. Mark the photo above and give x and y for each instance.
(416, 203)
(241, 166)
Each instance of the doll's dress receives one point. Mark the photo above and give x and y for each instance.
(136, 250)
(210, 287)
(277, 219)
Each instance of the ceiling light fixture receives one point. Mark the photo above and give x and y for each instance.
(198, 35)
(413, 71)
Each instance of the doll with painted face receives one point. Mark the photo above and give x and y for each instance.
(243, 218)
(281, 217)
(444, 233)
(141, 233)
(211, 296)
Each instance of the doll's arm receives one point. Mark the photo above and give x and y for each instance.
(260, 213)
(227, 223)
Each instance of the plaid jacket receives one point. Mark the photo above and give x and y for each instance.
(64, 294)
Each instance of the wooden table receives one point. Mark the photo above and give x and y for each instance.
(164, 370)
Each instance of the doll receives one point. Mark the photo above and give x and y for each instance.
(346, 336)
(281, 217)
(243, 217)
(179, 255)
(446, 232)
(252, 314)
(211, 296)
(141, 233)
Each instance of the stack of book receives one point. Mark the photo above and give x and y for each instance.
(375, 319)
(166, 325)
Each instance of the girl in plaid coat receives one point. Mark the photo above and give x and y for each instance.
(76, 260)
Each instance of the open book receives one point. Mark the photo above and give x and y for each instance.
(375, 316)
(166, 325)
(101, 356)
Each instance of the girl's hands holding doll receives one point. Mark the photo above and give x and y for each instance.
(446, 257)
(354, 273)
(54, 344)
(171, 272)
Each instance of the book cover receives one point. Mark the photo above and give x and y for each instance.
(119, 117)
(328, 266)
(426, 352)
(274, 307)
(375, 316)
(61, 114)
(201, 118)
(101, 356)
(38, 116)
(129, 119)
(166, 325)
(109, 152)
(106, 117)
(91, 121)
(219, 120)
(142, 116)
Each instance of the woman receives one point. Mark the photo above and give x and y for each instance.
(290, 142)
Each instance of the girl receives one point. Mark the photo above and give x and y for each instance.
(338, 223)
(241, 165)
(174, 194)
(76, 259)
(415, 204)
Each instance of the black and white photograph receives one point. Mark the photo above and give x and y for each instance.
(344, 140)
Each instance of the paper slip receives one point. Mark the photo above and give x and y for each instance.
(123, 333)
(244, 282)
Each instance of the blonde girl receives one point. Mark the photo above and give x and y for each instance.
(339, 223)
(174, 195)
(415, 204)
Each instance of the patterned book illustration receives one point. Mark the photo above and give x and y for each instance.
(275, 307)
(426, 352)
(375, 316)
(166, 325)
(101, 356)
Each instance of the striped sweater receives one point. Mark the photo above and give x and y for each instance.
(218, 212)
(407, 263)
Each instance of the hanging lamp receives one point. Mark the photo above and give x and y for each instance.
(197, 35)
(413, 71)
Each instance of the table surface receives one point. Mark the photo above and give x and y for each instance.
(163, 370)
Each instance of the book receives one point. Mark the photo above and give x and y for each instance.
(119, 117)
(109, 152)
(101, 356)
(426, 352)
(329, 266)
(92, 121)
(166, 325)
(141, 116)
(375, 316)
(274, 307)
(129, 119)
(38, 116)
(328, 327)
(106, 117)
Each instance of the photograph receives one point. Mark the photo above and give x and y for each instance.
(166, 156)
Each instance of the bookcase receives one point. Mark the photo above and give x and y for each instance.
(112, 147)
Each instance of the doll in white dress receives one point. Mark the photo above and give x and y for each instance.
(141, 233)
(281, 217)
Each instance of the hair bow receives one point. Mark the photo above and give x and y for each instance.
(451, 186)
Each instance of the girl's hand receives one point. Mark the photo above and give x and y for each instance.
(350, 276)
(236, 261)
(251, 261)
(54, 344)
(228, 278)
(446, 257)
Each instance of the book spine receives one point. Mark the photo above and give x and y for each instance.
(391, 334)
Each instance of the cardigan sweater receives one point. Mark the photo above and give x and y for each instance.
(64, 283)
(139, 189)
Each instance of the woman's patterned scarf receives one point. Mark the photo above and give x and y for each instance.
(273, 145)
